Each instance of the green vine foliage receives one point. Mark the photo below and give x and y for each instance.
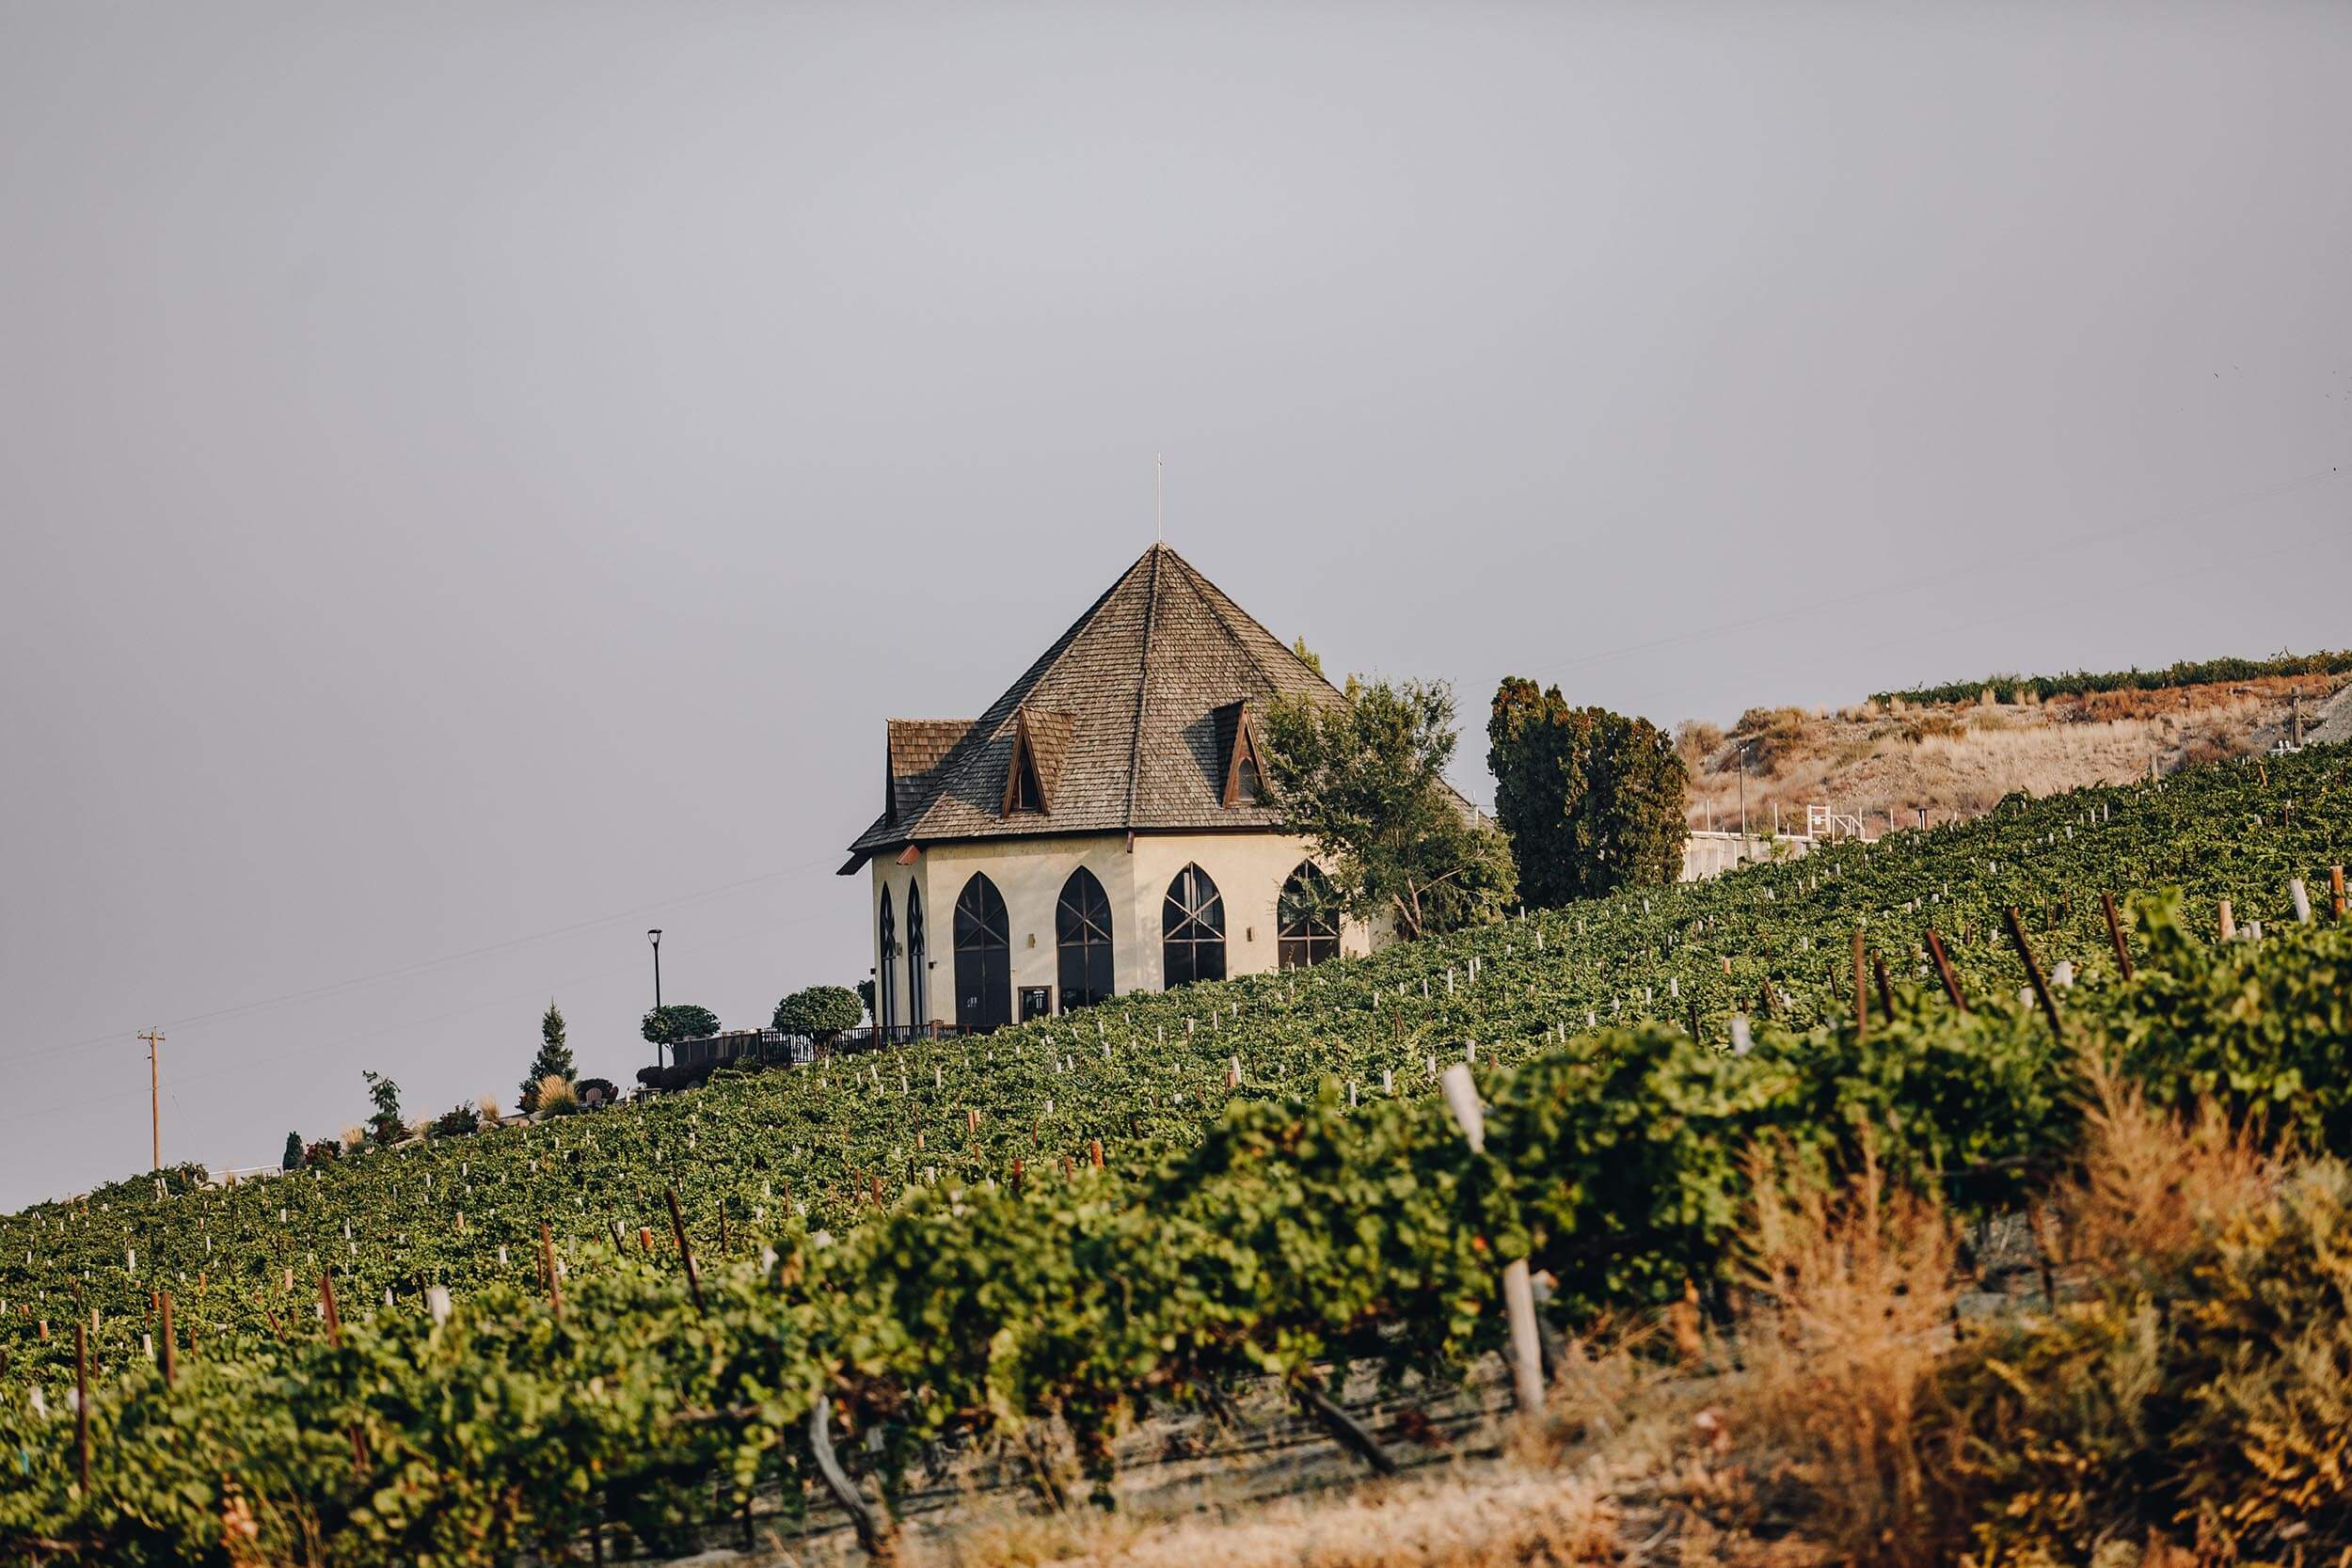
(923, 1237)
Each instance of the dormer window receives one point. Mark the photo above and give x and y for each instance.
(1244, 779)
(1026, 794)
(1038, 741)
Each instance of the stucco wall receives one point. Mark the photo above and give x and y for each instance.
(1249, 870)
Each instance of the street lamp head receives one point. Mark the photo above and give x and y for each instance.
(656, 935)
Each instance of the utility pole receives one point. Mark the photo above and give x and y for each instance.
(155, 1095)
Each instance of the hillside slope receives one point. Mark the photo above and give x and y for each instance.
(1955, 760)
(1321, 1212)
(826, 1144)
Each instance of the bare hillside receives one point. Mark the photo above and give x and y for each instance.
(1958, 759)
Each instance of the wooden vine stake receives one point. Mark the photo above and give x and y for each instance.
(2228, 922)
(2115, 935)
(1519, 1288)
(335, 1338)
(2335, 890)
(81, 1401)
(2033, 971)
(1944, 970)
(1861, 1004)
(546, 1260)
(171, 1349)
(685, 1252)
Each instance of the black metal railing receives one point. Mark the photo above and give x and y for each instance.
(774, 1048)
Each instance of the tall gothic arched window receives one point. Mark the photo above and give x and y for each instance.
(1081, 930)
(918, 969)
(1192, 931)
(885, 963)
(1306, 926)
(983, 956)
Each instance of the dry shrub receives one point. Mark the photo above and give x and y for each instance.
(557, 1097)
(487, 1106)
(1774, 734)
(1853, 1291)
(1695, 741)
(2154, 1189)
(355, 1140)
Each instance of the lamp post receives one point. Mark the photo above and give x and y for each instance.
(655, 936)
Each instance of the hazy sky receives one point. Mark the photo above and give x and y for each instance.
(474, 477)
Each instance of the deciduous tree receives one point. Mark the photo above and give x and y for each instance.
(1365, 780)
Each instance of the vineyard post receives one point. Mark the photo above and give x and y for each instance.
(80, 1403)
(685, 1252)
(1861, 994)
(547, 1257)
(2228, 921)
(2335, 890)
(172, 1349)
(1944, 970)
(2033, 971)
(2115, 935)
(2301, 900)
(1518, 1288)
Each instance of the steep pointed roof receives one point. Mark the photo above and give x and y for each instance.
(1124, 710)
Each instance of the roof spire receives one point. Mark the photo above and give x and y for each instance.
(1159, 499)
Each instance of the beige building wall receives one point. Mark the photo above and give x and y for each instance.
(1248, 870)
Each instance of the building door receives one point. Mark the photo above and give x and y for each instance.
(1036, 1002)
(983, 957)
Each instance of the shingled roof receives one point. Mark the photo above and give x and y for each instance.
(1131, 715)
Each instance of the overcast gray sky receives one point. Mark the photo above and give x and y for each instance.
(474, 477)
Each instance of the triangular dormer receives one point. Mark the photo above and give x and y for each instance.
(1244, 773)
(1024, 784)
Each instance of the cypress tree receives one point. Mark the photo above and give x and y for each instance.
(291, 1159)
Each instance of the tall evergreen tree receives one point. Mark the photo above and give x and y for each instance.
(291, 1159)
(1593, 799)
(554, 1059)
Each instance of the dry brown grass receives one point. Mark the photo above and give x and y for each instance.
(1502, 1517)
(1853, 1291)
(2153, 1187)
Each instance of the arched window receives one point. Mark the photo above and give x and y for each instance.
(1306, 924)
(1081, 927)
(1192, 931)
(983, 956)
(918, 971)
(885, 961)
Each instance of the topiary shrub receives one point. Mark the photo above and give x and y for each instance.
(820, 1012)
